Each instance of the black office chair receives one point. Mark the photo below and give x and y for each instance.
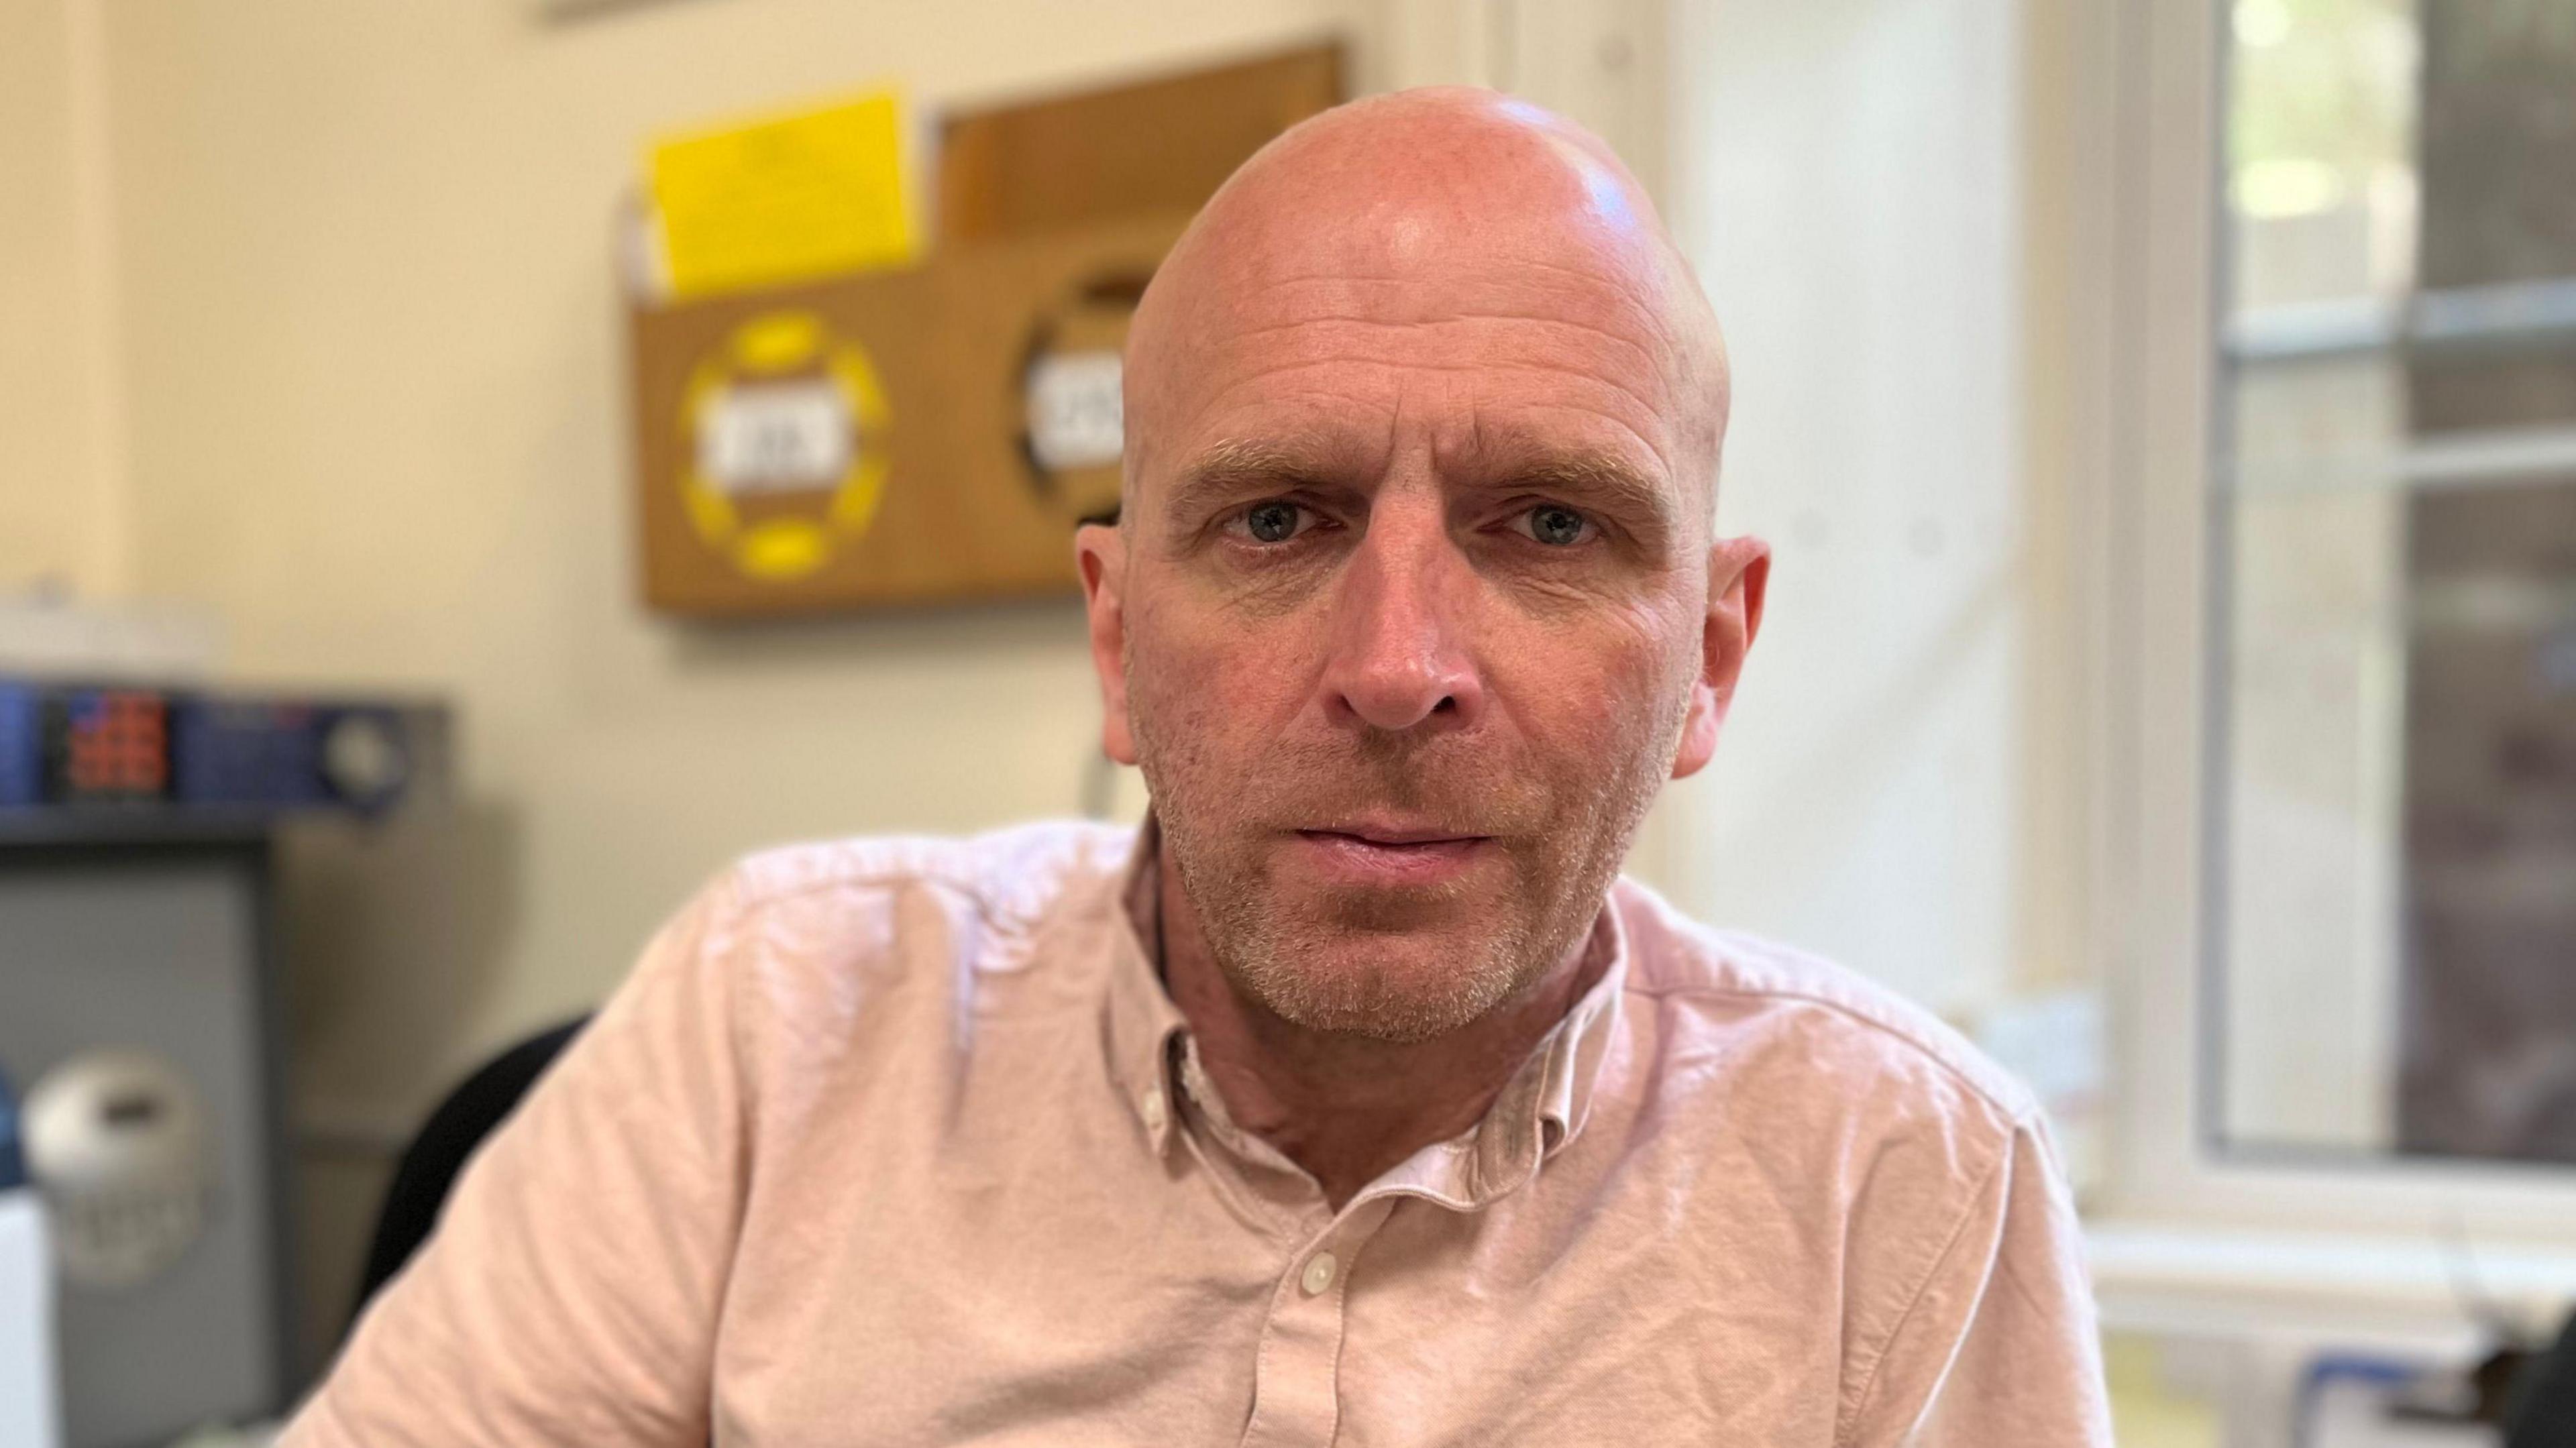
(2542, 1407)
(430, 1164)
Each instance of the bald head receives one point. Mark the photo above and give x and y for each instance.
(1446, 208)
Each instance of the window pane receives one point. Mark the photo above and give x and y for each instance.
(2395, 811)
(2490, 1023)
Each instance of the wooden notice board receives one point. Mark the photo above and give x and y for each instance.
(1152, 146)
(936, 432)
(869, 439)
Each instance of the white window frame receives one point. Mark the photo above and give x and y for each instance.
(2162, 270)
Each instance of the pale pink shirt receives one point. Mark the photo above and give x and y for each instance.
(902, 1142)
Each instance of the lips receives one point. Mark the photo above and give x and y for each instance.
(1388, 854)
(1378, 833)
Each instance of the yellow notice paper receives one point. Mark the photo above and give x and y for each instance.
(783, 200)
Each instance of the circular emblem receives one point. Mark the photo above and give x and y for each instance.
(783, 457)
(1072, 419)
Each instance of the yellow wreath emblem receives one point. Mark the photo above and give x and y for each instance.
(775, 345)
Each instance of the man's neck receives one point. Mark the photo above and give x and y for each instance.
(1348, 1108)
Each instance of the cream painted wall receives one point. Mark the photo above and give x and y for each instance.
(1879, 197)
(61, 495)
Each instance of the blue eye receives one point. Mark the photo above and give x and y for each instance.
(1272, 522)
(1558, 527)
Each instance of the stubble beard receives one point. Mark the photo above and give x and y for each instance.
(1360, 970)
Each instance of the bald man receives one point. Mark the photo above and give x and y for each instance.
(1354, 1099)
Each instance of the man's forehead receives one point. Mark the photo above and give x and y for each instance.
(1420, 274)
(1494, 371)
(1461, 255)
(1432, 317)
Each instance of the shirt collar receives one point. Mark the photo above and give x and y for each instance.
(1143, 1025)
(1542, 1108)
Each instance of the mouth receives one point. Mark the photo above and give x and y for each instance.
(1390, 834)
(1385, 853)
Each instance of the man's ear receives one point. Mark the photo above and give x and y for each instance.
(1100, 551)
(1739, 569)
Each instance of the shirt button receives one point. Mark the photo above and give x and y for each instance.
(1319, 1273)
(1154, 1110)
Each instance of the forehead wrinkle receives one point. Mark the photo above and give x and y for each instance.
(1657, 313)
(1645, 300)
(1645, 276)
(1459, 369)
(1661, 452)
(1650, 448)
(1683, 386)
(1645, 354)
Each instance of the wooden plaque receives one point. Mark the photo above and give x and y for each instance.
(920, 435)
(936, 433)
(1157, 145)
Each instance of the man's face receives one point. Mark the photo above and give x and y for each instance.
(1408, 609)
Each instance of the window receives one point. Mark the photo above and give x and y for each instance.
(2390, 869)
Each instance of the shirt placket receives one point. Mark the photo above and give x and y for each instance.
(1296, 1393)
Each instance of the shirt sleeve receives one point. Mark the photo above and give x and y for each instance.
(1999, 1348)
(571, 1290)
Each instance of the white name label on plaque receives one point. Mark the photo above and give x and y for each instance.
(1076, 417)
(776, 437)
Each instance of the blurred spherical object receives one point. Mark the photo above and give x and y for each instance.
(117, 1139)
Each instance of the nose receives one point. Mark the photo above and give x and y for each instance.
(1399, 653)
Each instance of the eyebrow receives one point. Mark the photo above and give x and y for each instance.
(1236, 468)
(1230, 469)
(1600, 478)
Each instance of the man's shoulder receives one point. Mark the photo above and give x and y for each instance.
(862, 905)
(1018, 873)
(1851, 1030)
